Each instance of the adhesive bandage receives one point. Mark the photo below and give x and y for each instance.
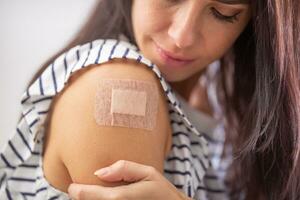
(126, 103)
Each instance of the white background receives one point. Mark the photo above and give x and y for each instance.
(31, 31)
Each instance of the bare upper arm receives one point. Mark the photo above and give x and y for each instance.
(82, 146)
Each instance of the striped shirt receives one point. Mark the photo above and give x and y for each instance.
(191, 166)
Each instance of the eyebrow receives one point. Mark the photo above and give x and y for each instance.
(233, 1)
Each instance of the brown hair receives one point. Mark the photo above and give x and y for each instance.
(262, 102)
(259, 91)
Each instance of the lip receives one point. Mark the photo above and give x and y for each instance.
(171, 59)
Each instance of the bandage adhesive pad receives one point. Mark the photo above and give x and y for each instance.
(126, 103)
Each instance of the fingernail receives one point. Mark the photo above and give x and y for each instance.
(102, 171)
(73, 191)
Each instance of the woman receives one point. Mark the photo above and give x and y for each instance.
(258, 89)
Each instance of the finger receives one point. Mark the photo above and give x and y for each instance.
(128, 171)
(80, 192)
(94, 192)
(149, 190)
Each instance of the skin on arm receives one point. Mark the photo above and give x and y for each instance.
(76, 146)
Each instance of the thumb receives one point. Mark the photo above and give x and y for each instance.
(127, 171)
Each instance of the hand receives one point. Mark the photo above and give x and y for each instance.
(146, 183)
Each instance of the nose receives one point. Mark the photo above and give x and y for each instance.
(183, 28)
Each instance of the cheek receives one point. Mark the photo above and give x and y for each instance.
(218, 44)
(219, 41)
(219, 37)
(148, 21)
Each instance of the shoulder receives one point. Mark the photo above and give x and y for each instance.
(82, 133)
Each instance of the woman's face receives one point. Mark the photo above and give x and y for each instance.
(183, 36)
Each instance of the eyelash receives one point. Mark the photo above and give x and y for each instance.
(217, 14)
(224, 18)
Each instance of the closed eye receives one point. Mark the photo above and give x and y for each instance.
(225, 18)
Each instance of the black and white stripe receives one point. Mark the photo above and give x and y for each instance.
(187, 163)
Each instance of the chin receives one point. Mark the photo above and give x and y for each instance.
(175, 77)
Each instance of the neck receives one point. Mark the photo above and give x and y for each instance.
(185, 87)
(194, 94)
